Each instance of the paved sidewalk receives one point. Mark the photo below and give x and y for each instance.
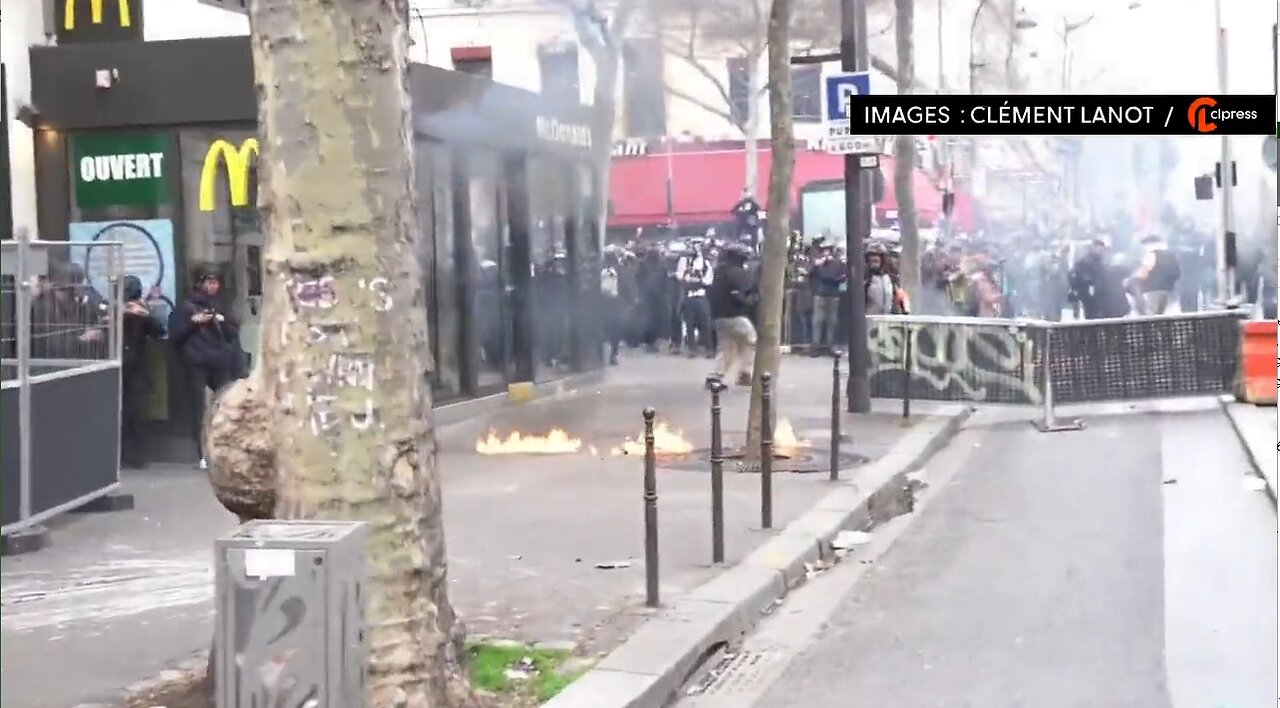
(118, 597)
(1256, 426)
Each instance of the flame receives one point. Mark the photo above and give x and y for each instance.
(785, 438)
(556, 442)
(666, 441)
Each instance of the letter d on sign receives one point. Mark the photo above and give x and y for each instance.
(237, 172)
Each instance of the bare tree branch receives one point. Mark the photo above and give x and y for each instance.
(704, 105)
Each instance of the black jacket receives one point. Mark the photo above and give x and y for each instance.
(213, 344)
(60, 318)
(136, 330)
(732, 292)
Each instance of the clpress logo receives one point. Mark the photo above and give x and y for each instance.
(1198, 115)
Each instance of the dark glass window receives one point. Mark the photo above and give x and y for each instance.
(558, 67)
(806, 91)
(644, 91)
(739, 88)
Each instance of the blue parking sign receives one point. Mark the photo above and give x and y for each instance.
(837, 90)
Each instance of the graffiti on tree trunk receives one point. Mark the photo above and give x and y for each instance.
(954, 361)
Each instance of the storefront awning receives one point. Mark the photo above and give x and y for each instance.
(704, 185)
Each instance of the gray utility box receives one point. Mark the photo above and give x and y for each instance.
(290, 615)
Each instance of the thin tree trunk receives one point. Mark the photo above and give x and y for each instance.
(905, 151)
(774, 267)
(345, 336)
(606, 58)
(751, 128)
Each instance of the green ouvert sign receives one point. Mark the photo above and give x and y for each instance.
(120, 169)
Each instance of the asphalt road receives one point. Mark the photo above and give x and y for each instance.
(1124, 566)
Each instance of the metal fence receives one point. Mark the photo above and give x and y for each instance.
(60, 351)
(1043, 363)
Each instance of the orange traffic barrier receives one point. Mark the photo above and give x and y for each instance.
(1258, 381)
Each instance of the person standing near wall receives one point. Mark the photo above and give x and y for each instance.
(137, 327)
(206, 336)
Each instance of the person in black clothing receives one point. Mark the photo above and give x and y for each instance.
(732, 297)
(746, 216)
(651, 284)
(617, 294)
(207, 338)
(1156, 279)
(67, 316)
(136, 327)
(1088, 280)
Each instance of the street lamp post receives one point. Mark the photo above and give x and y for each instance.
(1226, 236)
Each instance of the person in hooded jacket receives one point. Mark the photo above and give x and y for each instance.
(207, 339)
(732, 296)
(137, 326)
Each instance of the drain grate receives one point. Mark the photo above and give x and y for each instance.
(742, 674)
(799, 461)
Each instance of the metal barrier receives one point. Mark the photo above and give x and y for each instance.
(60, 406)
(1004, 361)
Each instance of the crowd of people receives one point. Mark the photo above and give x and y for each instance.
(699, 295)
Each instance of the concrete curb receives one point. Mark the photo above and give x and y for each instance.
(1260, 467)
(650, 667)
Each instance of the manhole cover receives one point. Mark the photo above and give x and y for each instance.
(796, 460)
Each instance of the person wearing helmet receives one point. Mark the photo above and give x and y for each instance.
(207, 338)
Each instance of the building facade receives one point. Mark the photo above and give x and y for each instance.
(154, 143)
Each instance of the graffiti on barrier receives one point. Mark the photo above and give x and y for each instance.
(953, 361)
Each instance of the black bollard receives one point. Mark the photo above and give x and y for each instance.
(650, 513)
(766, 451)
(835, 417)
(716, 386)
(906, 370)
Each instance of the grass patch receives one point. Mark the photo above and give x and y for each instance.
(489, 665)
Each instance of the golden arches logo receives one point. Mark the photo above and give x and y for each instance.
(95, 13)
(237, 172)
(1197, 115)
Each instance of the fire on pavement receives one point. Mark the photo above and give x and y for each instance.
(555, 442)
(666, 441)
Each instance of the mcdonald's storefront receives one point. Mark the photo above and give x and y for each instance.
(165, 159)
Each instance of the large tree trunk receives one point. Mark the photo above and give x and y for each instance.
(751, 128)
(774, 267)
(905, 151)
(345, 345)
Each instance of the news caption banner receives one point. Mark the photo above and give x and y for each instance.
(1063, 115)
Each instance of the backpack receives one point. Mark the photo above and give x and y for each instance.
(609, 282)
(1166, 271)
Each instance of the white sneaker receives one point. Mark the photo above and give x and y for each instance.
(204, 464)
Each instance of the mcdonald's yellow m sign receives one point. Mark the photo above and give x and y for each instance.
(237, 172)
(95, 13)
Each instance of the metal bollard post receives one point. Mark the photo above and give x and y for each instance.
(835, 417)
(650, 513)
(716, 386)
(766, 451)
(1050, 422)
(906, 370)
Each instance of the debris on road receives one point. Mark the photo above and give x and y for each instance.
(1254, 484)
(848, 540)
(522, 670)
(1170, 481)
(613, 565)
